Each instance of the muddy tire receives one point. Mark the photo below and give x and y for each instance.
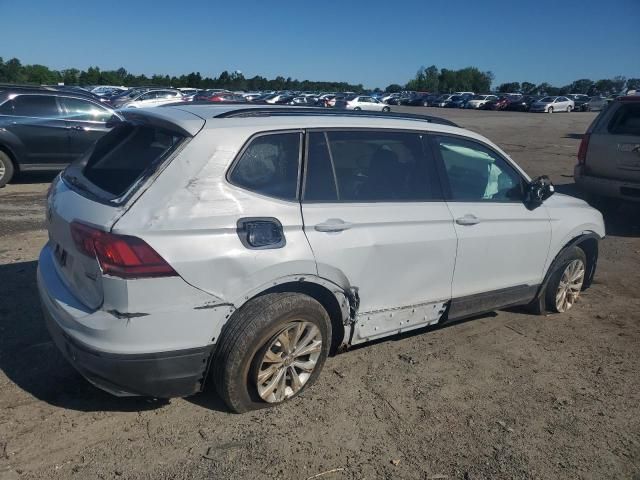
(271, 350)
(7, 169)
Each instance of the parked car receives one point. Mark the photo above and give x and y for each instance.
(167, 264)
(120, 99)
(552, 104)
(153, 98)
(45, 130)
(442, 101)
(521, 104)
(597, 103)
(499, 103)
(365, 102)
(477, 101)
(219, 96)
(580, 102)
(304, 101)
(608, 168)
(456, 101)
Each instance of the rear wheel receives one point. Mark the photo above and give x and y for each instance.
(386, 109)
(357, 109)
(550, 110)
(273, 350)
(6, 169)
(568, 108)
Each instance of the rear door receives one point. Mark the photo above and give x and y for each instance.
(502, 245)
(86, 122)
(38, 124)
(614, 145)
(374, 216)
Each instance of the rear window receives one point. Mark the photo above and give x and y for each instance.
(626, 121)
(122, 156)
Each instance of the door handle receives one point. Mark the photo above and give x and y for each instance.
(468, 219)
(333, 225)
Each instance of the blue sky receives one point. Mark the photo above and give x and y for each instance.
(370, 42)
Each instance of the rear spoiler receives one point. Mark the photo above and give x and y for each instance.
(185, 123)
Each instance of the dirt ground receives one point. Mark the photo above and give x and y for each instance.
(507, 395)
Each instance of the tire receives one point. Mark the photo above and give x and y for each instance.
(254, 334)
(425, 104)
(386, 109)
(550, 110)
(568, 108)
(357, 109)
(566, 282)
(7, 169)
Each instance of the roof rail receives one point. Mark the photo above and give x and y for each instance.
(311, 111)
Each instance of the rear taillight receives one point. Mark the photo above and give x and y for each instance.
(120, 255)
(582, 151)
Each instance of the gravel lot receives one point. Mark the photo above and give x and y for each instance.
(507, 395)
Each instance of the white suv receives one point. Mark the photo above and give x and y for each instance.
(246, 244)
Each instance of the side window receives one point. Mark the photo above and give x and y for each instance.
(477, 174)
(269, 166)
(626, 121)
(42, 106)
(81, 110)
(367, 166)
(148, 96)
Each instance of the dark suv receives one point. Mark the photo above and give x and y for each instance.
(45, 130)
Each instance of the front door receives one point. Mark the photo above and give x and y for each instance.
(36, 121)
(502, 245)
(376, 221)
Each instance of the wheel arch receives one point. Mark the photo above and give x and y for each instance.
(588, 242)
(12, 156)
(340, 303)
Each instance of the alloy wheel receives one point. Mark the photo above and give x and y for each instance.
(570, 285)
(289, 361)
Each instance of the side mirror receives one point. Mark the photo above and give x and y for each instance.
(537, 191)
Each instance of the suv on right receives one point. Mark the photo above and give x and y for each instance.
(608, 168)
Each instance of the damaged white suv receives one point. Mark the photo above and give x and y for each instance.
(246, 244)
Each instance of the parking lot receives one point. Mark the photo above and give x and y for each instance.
(506, 395)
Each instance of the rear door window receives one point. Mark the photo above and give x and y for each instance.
(269, 165)
(82, 110)
(626, 121)
(368, 166)
(41, 106)
(122, 156)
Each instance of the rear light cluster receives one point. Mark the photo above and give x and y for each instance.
(120, 255)
(582, 151)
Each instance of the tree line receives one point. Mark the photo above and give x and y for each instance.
(13, 71)
(429, 79)
(432, 79)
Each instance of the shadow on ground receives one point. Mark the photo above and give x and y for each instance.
(26, 178)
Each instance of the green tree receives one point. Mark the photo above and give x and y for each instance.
(580, 86)
(509, 87)
(527, 87)
(394, 88)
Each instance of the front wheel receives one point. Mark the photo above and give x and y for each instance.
(565, 283)
(550, 110)
(569, 109)
(274, 347)
(386, 109)
(6, 169)
(357, 109)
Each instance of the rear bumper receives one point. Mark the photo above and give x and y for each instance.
(606, 187)
(162, 375)
(127, 368)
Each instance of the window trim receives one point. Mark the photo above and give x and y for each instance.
(615, 117)
(438, 192)
(301, 146)
(444, 178)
